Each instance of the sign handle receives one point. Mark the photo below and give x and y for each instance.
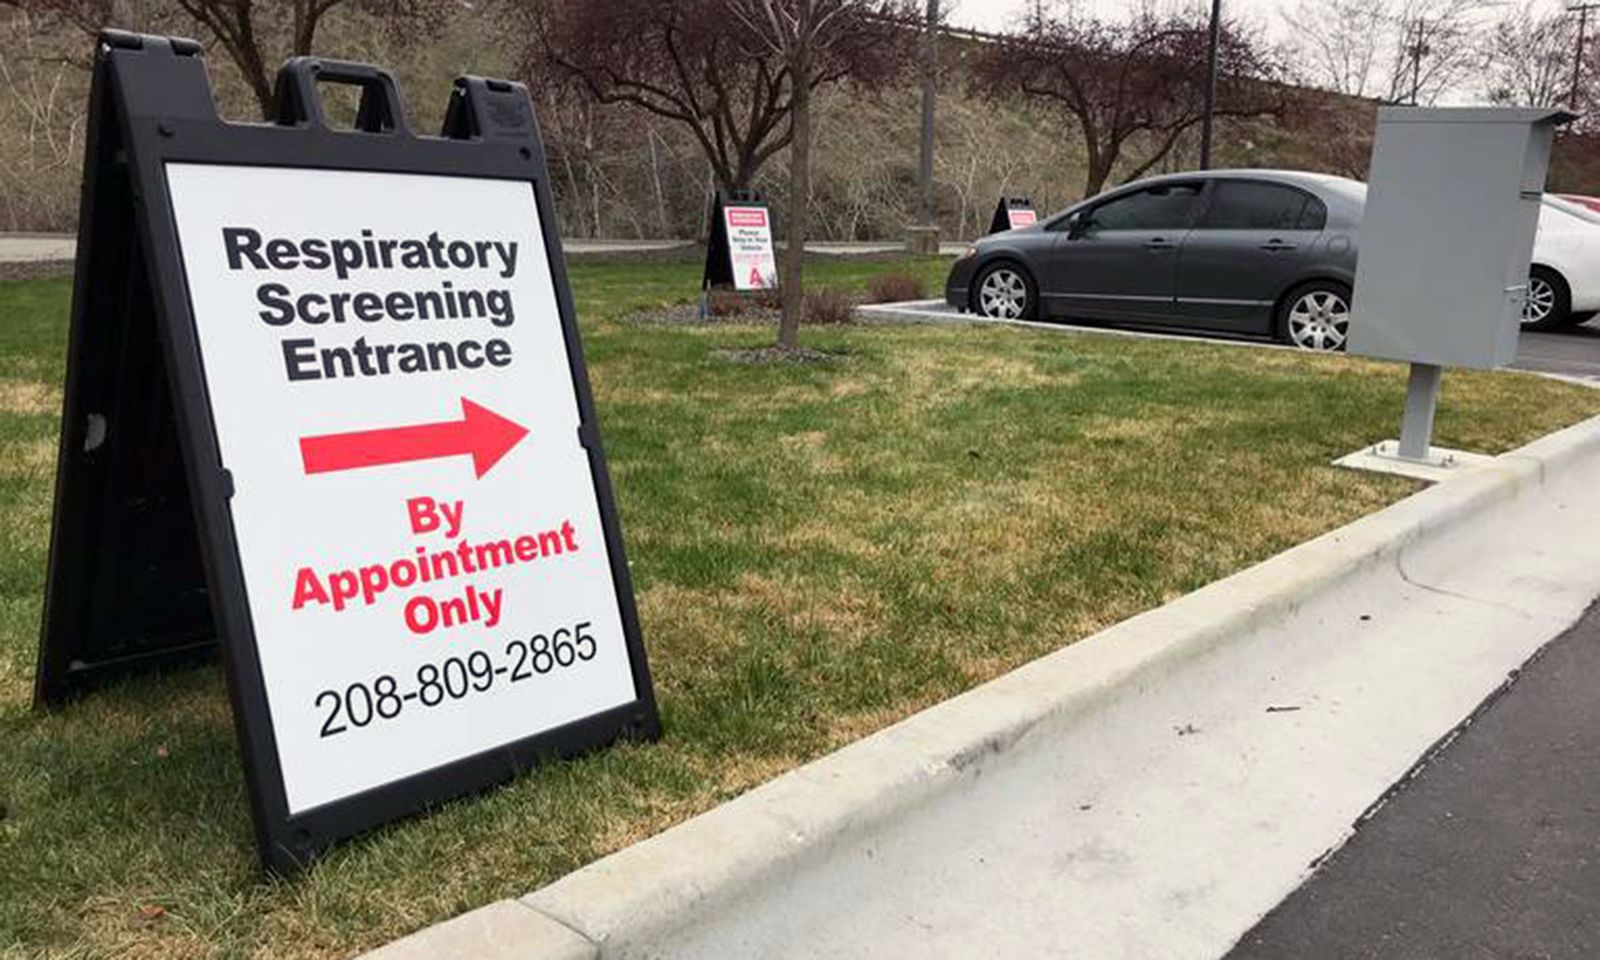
(298, 104)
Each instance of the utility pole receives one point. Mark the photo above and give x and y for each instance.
(930, 69)
(1582, 10)
(922, 238)
(1211, 84)
(1417, 50)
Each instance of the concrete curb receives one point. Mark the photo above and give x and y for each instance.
(747, 848)
(934, 312)
(35, 269)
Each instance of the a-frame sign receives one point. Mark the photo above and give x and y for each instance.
(739, 252)
(326, 406)
(1011, 213)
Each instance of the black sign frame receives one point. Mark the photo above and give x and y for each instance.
(136, 406)
(719, 253)
(1001, 220)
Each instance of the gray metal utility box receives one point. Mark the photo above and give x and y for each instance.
(1452, 208)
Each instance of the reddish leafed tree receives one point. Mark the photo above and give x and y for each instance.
(1132, 89)
(698, 64)
(738, 74)
(813, 38)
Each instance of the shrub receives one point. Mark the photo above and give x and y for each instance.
(895, 287)
(829, 306)
(726, 303)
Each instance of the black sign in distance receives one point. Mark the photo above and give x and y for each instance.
(1011, 213)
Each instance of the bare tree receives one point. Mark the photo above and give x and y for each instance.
(257, 35)
(1530, 58)
(1397, 51)
(42, 114)
(1340, 45)
(1133, 89)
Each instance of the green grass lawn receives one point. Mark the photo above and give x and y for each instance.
(818, 549)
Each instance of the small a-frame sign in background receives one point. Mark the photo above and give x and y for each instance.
(739, 250)
(326, 404)
(1011, 213)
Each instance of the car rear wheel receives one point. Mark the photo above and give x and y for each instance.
(1549, 303)
(1004, 292)
(1316, 316)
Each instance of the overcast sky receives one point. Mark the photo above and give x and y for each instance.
(1271, 16)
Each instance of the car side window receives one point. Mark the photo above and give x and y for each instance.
(1253, 205)
(1164, 207)
(1314, 216)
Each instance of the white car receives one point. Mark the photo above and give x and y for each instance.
(1564, 285)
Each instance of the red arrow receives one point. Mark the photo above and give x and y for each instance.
(481, 432)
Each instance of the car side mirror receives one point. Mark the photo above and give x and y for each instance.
(1078, 225)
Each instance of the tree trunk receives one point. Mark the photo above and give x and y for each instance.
(793, 298)
(662, 229)
(266, 98)
(1099, 172)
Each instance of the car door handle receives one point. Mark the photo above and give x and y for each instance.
(1159, 243)
(1278, 246)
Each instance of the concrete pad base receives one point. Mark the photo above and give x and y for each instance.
(1440, 464)
(922, 241)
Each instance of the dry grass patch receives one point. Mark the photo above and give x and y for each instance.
(28, 397)
(28, 459)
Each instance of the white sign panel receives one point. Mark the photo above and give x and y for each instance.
(750, 248)
(1021, 217)
(417, 525)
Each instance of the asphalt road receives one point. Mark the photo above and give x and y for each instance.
(1574, 352)
(1491, 851)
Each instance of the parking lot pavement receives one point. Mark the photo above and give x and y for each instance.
(1492, 850)
(1574, 352)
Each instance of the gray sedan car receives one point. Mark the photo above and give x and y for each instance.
(1263, 252)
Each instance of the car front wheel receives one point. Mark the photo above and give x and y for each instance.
(1004, 292)
(1316, 316)
(1549, 303)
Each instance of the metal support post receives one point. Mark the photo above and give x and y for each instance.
(1422, 399)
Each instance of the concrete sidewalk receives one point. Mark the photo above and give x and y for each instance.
(1492, 850)
(35, 256)
(35, 247)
